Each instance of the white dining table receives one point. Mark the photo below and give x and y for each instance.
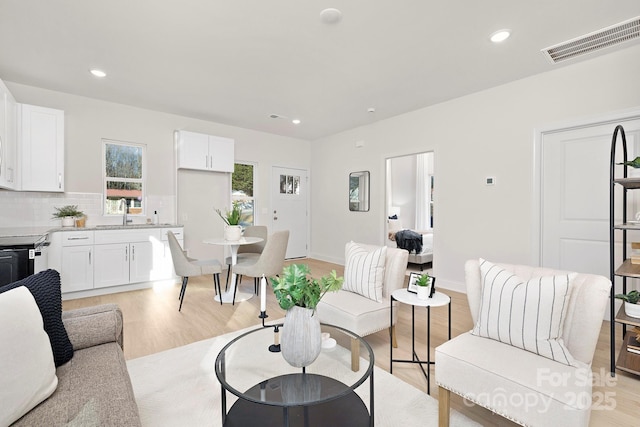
(233, 245)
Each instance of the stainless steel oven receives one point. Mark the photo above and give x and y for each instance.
(20, 257)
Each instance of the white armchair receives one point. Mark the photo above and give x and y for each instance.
(360, 314)
(521, 385)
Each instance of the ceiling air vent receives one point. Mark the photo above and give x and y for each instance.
(606, 37)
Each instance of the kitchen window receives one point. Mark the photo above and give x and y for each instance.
(123, 177)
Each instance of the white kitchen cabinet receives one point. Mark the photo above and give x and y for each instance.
(205, 152)
(72, 254)
(41, 148)
(101, 261)
(123, 263)
(8, 138)
(77, 268)
(126, 256)
(112, 265)
(141, 261)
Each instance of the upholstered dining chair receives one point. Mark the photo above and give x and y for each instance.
(270, 261)
(524, 360)
(189, 267)
(249, 251)
(358, 308)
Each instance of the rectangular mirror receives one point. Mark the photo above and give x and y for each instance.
(359, 191)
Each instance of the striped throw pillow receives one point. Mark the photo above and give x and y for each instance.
(364, 270)
(528, 314)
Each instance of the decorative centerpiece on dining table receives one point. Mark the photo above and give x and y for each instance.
(232, 218)
(299, 294)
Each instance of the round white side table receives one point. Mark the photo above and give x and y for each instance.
(437, 300)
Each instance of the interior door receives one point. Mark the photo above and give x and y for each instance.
(575, 196)
(289, 197)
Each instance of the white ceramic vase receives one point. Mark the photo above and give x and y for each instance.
(423, 292)
(68, 221)
(632, 310)
(232, 232)
(301, 337)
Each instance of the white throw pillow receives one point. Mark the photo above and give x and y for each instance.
(528, 314)
(364, 270)
(27, 371)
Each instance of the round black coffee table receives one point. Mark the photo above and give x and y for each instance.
(270, 392)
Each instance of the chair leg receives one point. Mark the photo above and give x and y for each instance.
(394, 339)
(183, 290)
(216, 285)
(355, 354)
(444, 402)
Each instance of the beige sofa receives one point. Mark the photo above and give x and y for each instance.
(94, 388)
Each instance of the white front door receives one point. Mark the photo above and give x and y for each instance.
(289, 195)
(575, 196)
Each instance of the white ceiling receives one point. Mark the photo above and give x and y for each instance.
(238, 61)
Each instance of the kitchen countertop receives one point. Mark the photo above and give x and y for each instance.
(115, 227)
(41, 231)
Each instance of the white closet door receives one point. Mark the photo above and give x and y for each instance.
(575, 196)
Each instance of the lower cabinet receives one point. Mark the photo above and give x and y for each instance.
(101, 259)
(123, 263)
(77, 268)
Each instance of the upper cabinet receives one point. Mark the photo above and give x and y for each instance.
(8, 138)
(205, 152)
(41, 148)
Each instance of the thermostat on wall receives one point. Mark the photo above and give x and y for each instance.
(491, 180)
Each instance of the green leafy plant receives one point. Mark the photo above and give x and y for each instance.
(295, 287)
(232, 217)
(631, 297)
(423, 280)
(69, 210)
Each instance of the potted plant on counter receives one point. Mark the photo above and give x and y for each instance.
(631, 306)
(296, 292)
(232, 218)
(68, 214)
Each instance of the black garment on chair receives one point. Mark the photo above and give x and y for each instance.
(409, 240)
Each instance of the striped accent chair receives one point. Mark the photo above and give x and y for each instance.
(357, 308)
(529, 355)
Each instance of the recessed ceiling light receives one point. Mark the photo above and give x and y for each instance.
(98, 73)
(295, 121)
(500, 36)
(331, 16)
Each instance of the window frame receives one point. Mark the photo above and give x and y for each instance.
(106, 179)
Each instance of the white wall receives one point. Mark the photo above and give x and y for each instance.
(489, 133)
(403, 188)
(88, 120)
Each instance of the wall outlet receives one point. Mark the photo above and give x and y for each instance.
(490, 180)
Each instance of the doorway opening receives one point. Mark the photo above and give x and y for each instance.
(409, 206)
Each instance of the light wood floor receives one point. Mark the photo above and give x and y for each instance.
(152, 323)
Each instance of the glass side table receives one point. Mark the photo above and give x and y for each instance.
(438, 300)
(270, 392)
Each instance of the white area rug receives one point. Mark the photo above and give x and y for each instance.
(178, 387)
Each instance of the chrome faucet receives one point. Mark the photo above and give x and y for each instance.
(125, 210)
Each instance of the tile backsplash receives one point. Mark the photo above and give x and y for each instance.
(35, 209)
